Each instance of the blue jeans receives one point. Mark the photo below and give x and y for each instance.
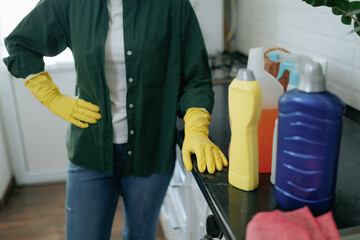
(92, 198)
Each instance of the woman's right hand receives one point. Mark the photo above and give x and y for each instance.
(74, 110)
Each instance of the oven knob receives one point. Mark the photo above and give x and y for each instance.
(212, 228)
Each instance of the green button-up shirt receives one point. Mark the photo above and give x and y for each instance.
(165, 59)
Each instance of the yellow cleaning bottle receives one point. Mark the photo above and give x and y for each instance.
(245, 104)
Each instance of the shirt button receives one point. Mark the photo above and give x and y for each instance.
(131, 105)
(131, 79)
(129, 53)
(132, 132)
(129, 152)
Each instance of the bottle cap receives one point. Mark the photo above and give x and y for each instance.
(245, 75)
(313, 79)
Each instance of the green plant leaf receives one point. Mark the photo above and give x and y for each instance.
(354, 12)
(329, 3)
(336, 11)
(357, 28)
(348, 10)
(342, 4)
(354, 9)
(355, 5)
(346, 19)
(315, 3)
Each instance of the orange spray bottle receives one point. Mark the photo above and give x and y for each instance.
(272, 90)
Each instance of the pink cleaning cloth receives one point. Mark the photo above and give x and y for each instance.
(304, 217)
(299, 224)
(328, 226)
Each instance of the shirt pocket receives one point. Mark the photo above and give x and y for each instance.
(157, 57)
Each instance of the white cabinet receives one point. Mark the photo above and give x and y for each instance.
(34, 135)
(184, 211)
(5, 171)
(5, 174)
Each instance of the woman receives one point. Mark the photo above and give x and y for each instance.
(139, 63)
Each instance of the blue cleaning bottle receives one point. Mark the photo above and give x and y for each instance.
(309, 132)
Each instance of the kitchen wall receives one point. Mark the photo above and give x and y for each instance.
(210, 17)
(301, 28)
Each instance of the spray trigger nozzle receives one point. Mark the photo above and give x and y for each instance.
(294, 74)
(285, 65)
(274, 56)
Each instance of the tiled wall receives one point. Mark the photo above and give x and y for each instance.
(303, 29)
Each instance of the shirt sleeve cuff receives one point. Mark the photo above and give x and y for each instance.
(32, 75)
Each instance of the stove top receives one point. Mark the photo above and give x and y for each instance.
(226, 65)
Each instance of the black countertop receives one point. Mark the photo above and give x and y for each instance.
(234, 208)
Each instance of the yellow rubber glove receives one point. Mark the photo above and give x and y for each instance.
(73, 110)
(197, 141)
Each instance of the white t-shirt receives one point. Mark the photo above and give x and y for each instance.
(115, 70)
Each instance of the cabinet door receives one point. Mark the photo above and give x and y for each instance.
(5, 175)
(185, 210)
(42, 133)
(173, 215)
